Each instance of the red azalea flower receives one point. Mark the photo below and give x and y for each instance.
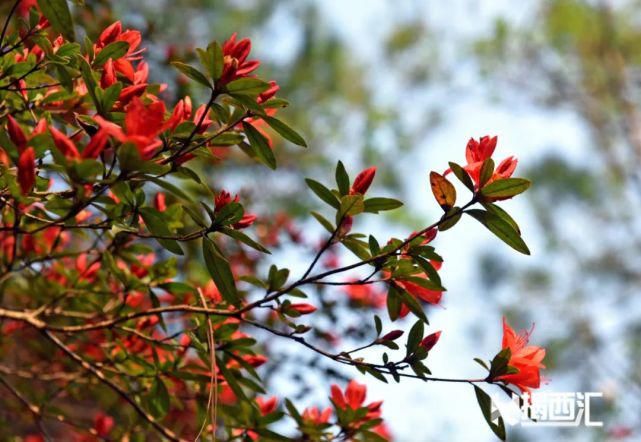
(353, 398)
(477, 152)
(313, 416)
(235, 56)
(268, 405)
(143, 124)
(527, 359)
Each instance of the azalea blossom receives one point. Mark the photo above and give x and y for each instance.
(476, 152)
(235, 56)
(527, 359)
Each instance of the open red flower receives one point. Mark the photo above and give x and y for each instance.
(143, 124)
(476, 152)
(313, 416)
(527, 359)
(114, 33)
(235, 56)
(267, 405)
(354, 396)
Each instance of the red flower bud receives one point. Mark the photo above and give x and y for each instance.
(64, 144)
(16, 133)
(393, 335)
(103, 424)
(430, 341)
(159, 202)
(27, 170)
(363, 181)
(303, 308)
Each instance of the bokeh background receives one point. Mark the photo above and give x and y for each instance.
(402, 85)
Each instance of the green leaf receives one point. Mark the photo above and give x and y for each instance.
(450, 218)
(212, 59)
(501, 229)
(350, 205)
(110, 96)
(58, 14)
(157, 225)
(240, 236)
(90, 81)
(260, 145)
(487, 170)
(374, 247)
(220, 271)
(159, 398)
(413, 305)
(482, 363)
(113, 50)
(342, 179)
(393, 303)
(192, 73)
(429, 270)
(378, 324)
(485, 402)
(231, 379)
(323, 221)
(462, 175)
(177, 191)
(285, 131)
(378, 204)
(247, 86)
(414, 337)
(217, 60)
(293, 412)
(496, 210)
(323, 193)
(505, 188)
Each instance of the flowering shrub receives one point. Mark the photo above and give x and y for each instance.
(135, 298)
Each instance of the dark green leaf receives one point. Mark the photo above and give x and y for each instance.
(58, 14)
(350, 205)
(220, 271)
(485, 402)
(323, 221)
(157, 225)
(240, 236)
(375, 205)
(501, 229)
(285, 131)
(496, 210)
(260, 145)
(414, 337)
(462, 175)
(113, 50)
(247, 86)
(487, 170)
(378, 324)
(342, 179)
(323, 193)
(450, 218)
(505, 188)
(192, 73)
